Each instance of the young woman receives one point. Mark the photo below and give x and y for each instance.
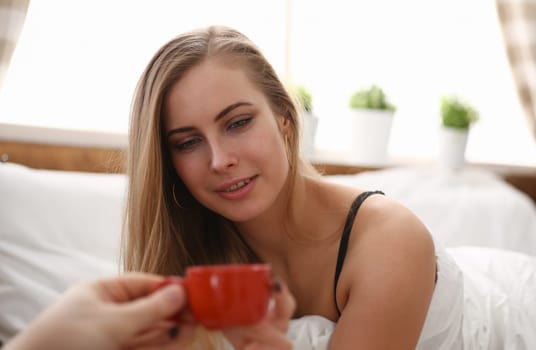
(215, 177)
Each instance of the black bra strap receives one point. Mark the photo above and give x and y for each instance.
(343, 246)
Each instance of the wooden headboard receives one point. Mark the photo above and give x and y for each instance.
(112, 160)
(63, 157)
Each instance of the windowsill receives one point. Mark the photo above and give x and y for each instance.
(63, 137)
(337, 157)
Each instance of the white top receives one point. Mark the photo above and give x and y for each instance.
(442, 329)
(484, 298)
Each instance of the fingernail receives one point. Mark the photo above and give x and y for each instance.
(276, 287)
(174, 294)
(173, 332)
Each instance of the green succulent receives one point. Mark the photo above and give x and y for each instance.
(456, 113)
(372, 97)
(304, 97)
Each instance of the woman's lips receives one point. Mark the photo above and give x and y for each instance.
(237, 189)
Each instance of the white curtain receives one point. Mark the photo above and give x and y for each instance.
(518, 23)
(12, 15)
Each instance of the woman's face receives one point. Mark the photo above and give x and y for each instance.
(225, 143)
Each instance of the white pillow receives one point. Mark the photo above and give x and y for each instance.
(56, 228)
(466, 208)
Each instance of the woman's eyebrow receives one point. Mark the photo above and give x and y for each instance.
(220, 115)
(230, 108)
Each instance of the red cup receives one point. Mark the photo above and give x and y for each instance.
(221, 296)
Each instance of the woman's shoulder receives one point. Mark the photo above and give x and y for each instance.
(389, 270)
(384, 222)
(388, 247)
(385, 226)
(377, 213)
(380, 224)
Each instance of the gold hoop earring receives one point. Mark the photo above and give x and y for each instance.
(174, 197)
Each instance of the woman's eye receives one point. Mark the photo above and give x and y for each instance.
(240, 123)
(186, 145)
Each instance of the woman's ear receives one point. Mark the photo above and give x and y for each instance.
(284, 124)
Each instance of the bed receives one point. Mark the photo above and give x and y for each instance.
(60, 225)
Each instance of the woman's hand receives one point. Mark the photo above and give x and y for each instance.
(113, 313)
(269, 333)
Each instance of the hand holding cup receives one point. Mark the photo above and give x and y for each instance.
(223, 296)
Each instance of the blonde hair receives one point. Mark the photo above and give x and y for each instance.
(159, 235)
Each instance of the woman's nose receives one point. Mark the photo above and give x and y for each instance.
(222, 157)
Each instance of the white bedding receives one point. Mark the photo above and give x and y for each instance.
(466, 208)
(498, 306)
(57, 228)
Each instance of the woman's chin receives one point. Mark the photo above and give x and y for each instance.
(240, 217)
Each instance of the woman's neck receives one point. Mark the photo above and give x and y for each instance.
(291, 224)
(269, 232)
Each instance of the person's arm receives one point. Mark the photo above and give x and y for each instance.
(126, 313)
(106, 314)
(388, 279)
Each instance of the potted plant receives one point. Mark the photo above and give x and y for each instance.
(372, 117)
(457, 115)
(372, 97)
(309, 121)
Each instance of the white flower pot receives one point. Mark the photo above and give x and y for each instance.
(452, 145)
(371, 130)
(309, 124)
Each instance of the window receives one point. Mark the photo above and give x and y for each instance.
(77, 63)
(416, 50)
